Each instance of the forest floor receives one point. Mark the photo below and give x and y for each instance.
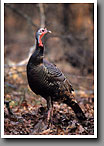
(26, 113)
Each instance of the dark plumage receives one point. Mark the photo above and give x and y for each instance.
(47, 80)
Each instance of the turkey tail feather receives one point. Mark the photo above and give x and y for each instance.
(74, 105)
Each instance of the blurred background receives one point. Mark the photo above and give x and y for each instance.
(72, 32)
(71, 43)
(70, 47)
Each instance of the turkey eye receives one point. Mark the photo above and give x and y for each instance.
(42, 30)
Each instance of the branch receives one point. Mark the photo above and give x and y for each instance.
(19, 12)
(42, 19)
(23, 62)
(71, 75)
(42, 15)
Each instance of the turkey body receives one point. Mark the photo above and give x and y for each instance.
(45, 79)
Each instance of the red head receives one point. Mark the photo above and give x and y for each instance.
(40, 33)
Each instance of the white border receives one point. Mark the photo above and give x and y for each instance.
(2, 69)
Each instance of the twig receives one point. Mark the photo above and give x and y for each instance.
(84, 92)
(80, 77)
(17, 72)
(13, 65)
(45, 131)
(8, 107)
(83, 125)
(10, 85)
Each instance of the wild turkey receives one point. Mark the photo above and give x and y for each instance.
(47, 80)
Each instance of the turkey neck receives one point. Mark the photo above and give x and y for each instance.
(37, 56)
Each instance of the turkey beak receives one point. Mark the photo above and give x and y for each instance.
(48, 31)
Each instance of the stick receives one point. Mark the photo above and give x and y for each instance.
(8, 107)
